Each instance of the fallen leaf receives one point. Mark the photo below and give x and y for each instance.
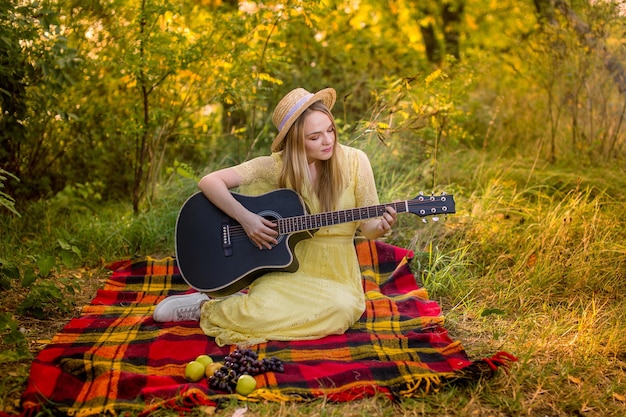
(208, 410)
(240, 412)
(574, 380)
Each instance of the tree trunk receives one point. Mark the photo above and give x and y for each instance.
(451, 15)
(141, 141)
(545, 11)
(611, 63)
(433, 50)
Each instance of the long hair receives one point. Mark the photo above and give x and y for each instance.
(295, 171)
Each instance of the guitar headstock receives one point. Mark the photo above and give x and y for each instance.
(432, 205)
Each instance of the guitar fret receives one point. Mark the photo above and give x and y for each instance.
(316, 221)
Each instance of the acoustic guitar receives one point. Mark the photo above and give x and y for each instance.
(215, 255)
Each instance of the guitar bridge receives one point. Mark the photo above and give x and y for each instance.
(227, 245)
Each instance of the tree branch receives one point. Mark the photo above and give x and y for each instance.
(611, 63)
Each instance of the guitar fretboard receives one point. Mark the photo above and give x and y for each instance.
(315, 221)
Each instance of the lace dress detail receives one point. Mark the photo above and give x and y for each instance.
(324, 296)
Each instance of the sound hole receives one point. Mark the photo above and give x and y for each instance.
(273, 217)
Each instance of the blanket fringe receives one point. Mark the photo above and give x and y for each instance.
(272, 395)
(502, 359)
(186, 402)
(486, 368)
(422, 385)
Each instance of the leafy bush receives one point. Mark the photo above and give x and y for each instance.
(6, 200)
(13, 338)
(46, 294)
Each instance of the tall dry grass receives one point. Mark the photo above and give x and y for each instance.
(543, 263)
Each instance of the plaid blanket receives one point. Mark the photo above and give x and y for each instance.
(114, 357)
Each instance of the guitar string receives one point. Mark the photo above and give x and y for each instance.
(237, 231)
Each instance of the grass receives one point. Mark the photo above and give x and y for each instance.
(532, 263)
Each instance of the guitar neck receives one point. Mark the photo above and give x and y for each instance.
(315, 221)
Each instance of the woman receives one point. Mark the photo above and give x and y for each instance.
(325, 295)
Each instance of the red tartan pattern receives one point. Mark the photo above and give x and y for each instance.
(115, 358)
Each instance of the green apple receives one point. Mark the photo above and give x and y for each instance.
(245, 385)
(194, 371)
(205, 360)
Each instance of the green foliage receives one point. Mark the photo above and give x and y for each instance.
(47, 294)
(6, 200)
(13, 337)
(38, 64)
(140, 85)
(47, 297)
(183, 170)
(416, 119)
(8, 273)
(555, 91)
(79, 196)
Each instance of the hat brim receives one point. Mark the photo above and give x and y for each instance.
(328, 96)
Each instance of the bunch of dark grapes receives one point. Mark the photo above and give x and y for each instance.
(241, 362)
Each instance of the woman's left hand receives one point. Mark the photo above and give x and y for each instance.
(388, 219)
(377, 227)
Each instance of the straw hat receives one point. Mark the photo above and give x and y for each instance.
(292, 106)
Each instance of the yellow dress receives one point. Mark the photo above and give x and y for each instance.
(324, 296)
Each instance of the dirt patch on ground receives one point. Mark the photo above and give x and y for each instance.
(38, 332)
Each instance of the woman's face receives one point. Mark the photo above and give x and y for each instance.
(319, 136)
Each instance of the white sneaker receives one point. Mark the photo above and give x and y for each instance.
(184, 307)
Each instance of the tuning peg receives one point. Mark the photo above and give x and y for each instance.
(444, 193)
(421, 193)
(436, 218)
(424, 220)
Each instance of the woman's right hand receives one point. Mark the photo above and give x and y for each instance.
(216, 186)
(261, 231)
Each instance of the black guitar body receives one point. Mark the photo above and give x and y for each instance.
(215, 255)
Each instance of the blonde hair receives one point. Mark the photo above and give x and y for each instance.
(295, 171)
